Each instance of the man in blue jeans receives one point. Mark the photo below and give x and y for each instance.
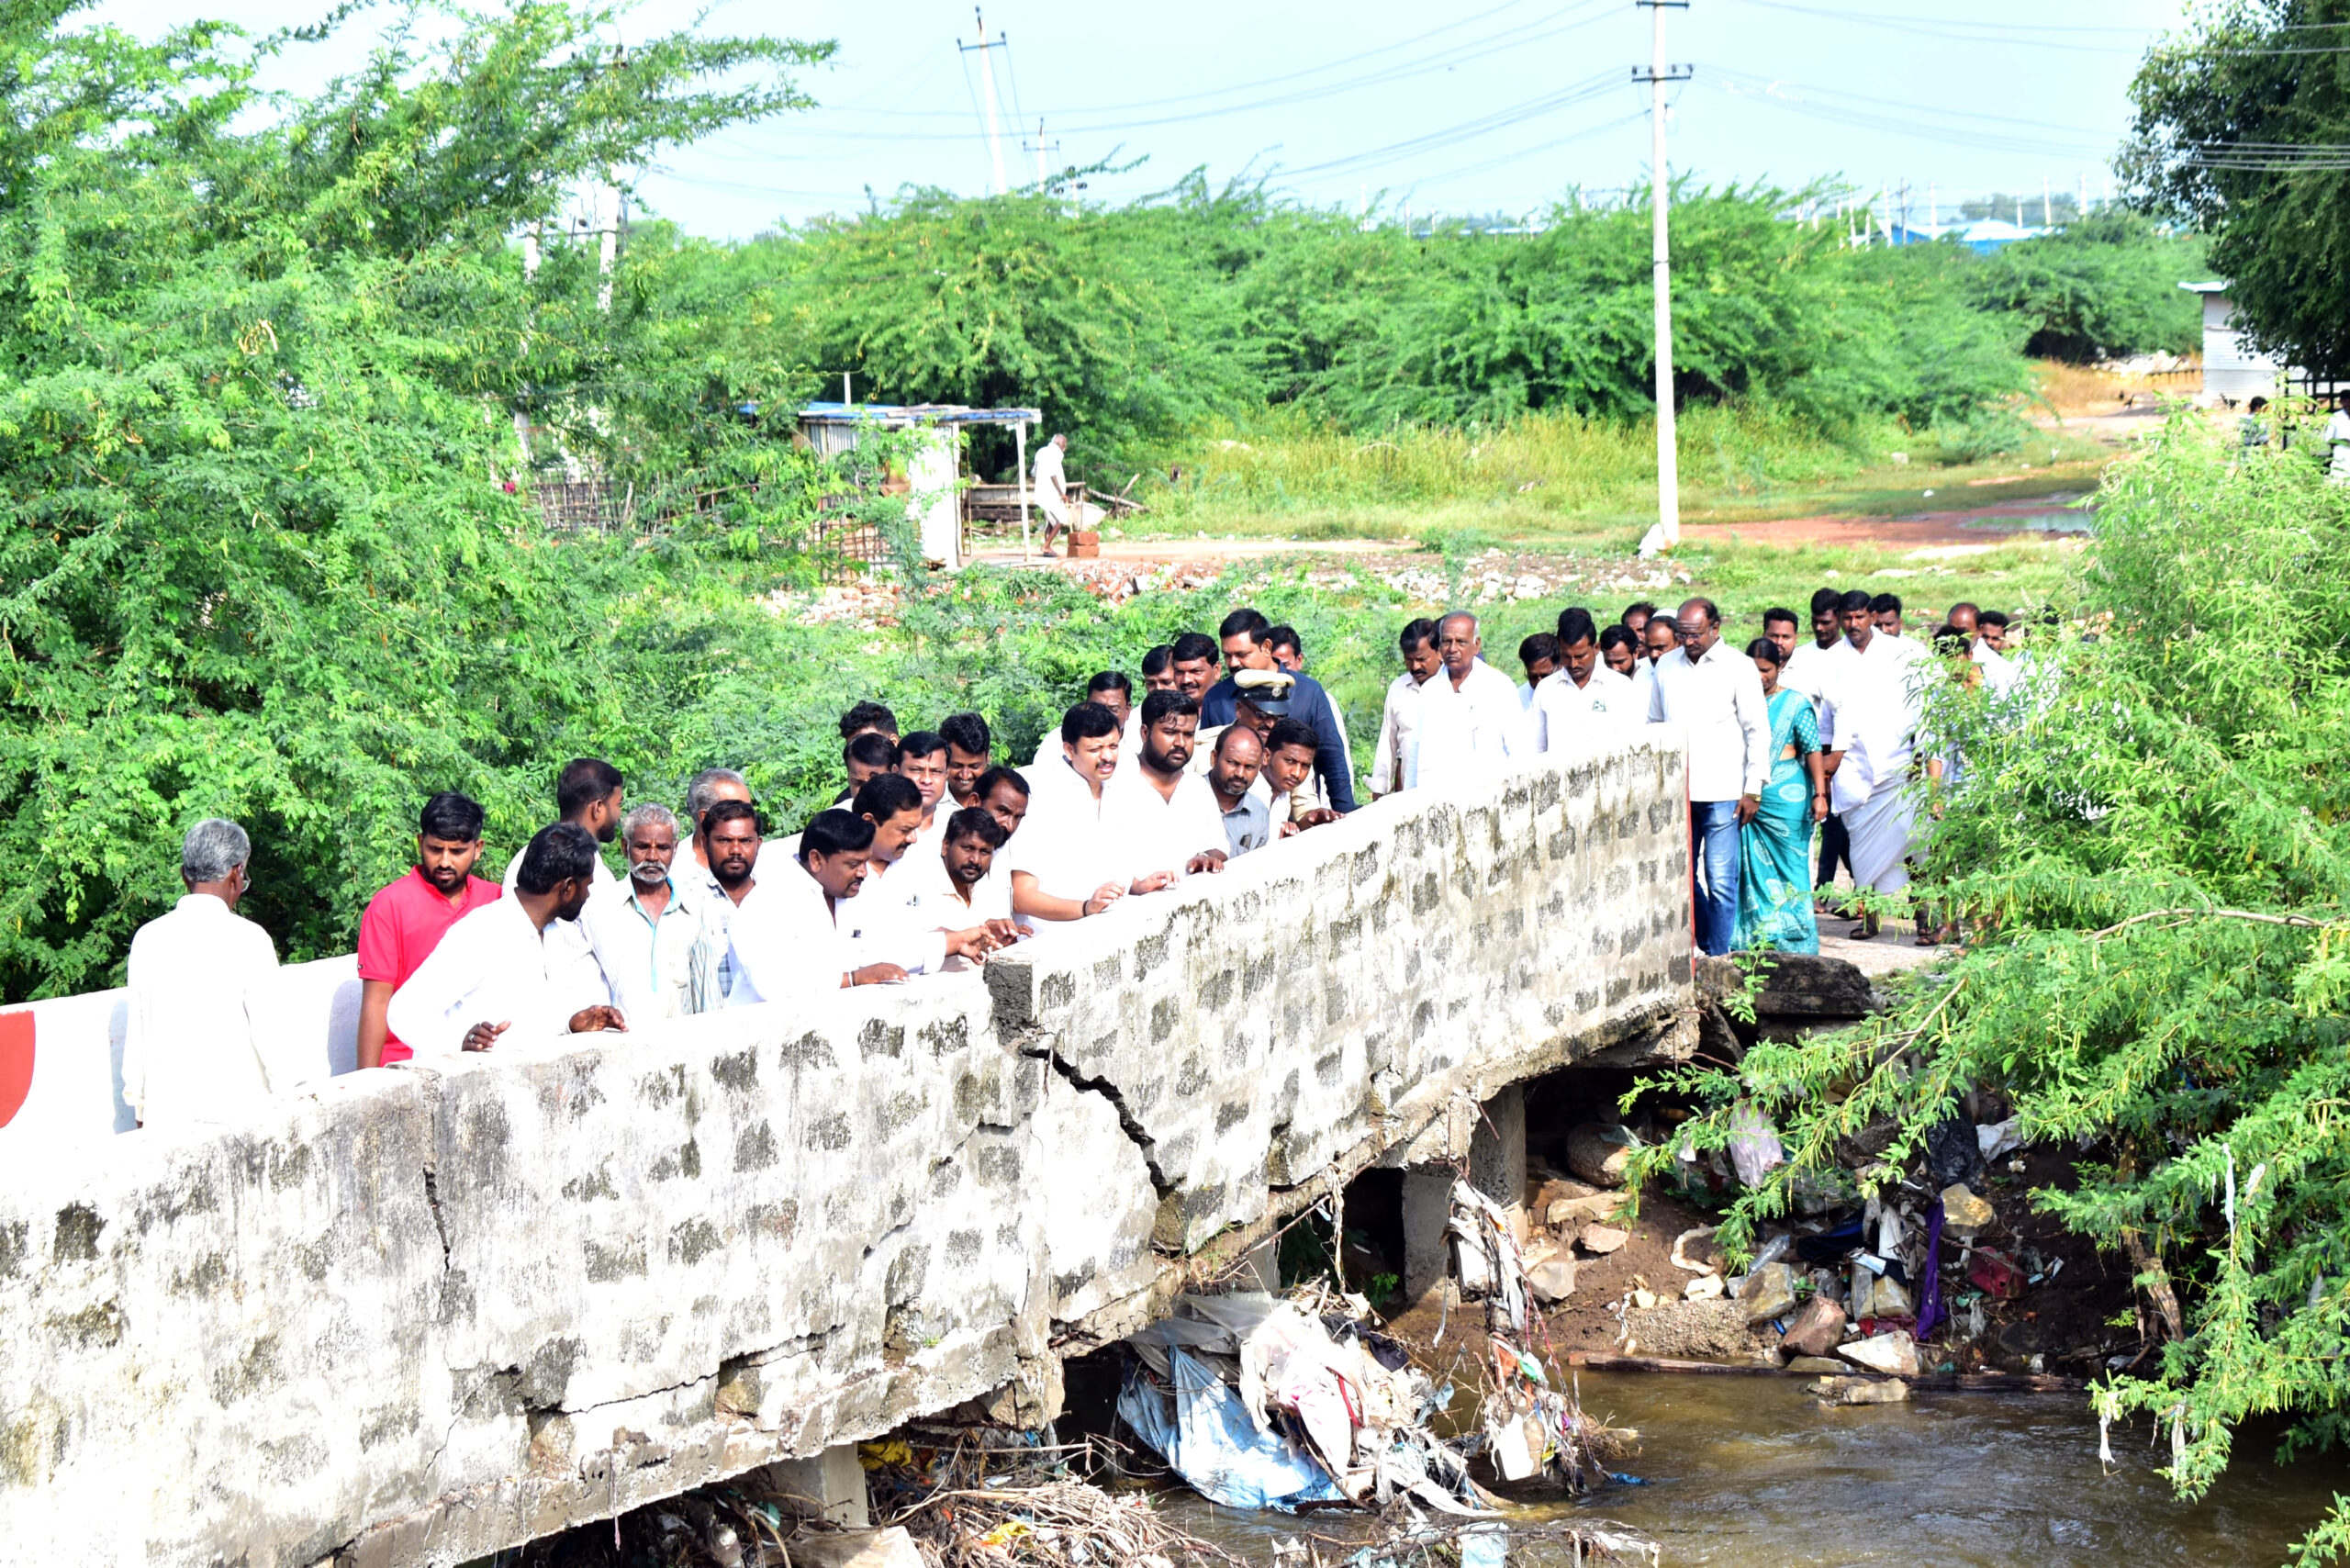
(1715, 694)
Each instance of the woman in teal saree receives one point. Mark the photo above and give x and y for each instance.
(1774, 849)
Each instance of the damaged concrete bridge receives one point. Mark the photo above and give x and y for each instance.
(412, 1316)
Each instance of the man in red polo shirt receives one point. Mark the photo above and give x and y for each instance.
(406, 921)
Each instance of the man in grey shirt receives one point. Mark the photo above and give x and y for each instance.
(1231, 771)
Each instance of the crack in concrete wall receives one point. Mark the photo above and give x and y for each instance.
(418, 1314)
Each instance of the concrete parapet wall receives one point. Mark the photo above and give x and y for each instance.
(416, 1315)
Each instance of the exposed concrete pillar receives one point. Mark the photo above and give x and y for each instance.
(830, 1486)
(1427, 1211)
(1498, 1147)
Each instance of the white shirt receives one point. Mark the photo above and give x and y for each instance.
(567, 937)
(1471, 732)
(1563, 710)
(1067, 840)
(1399, 728)
(2000, 672)
(1160, 833)
(1854, 679)
(1525, 693)
(1717, 700)
(886, 923)
(941, 905)
(2338, 431)
(664, 969)
(493, 967)
(1049, 750)
(1050, 482)
(1806, 669)
(787, 939)
(188, 1051)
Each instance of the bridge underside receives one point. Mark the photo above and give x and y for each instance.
(420, 1315)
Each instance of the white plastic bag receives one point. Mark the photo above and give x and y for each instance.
(1753, 1144)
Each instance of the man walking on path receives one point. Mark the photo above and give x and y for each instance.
(1051, 486)
(1713, 692)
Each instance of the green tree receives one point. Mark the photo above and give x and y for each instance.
(2106, 287)
(2236, 115)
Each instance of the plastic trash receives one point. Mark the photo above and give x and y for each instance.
(1754, 1146)
(1203, 1432)
(1995, 1138)
(1484, 1546)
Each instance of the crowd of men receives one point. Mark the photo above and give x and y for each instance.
(938, 852)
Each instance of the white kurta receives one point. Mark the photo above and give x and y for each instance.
(1471, 733)
(1049, 750)
(1717, 698)
(1872, 790)
(942, 907)
(1399, 728)
(664, 968)
(189, 1050)
(1608, 702)
(1161, 833)
(1806, 669)
(1067, 840)
(1856, 679)
(786, 941)
(1049, 480)
(494, 967)
(568, 938)
(886, 923)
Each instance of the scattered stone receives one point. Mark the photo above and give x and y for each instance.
(1856, 1149)
(1860, 1390)
(1519, 1227)
(2020, 1338)
(1828, 1364)
(1598, 1153)
(1643, 1299)
(1817, 1328)
(1704, 1287)
(891, 1548)
(1768, 1291)
(1964, 1213)
(1601, 1240)
(1552, 1280)
(1591, 1206)
(1691, 1330)
(1889, 1300)
(1893, 1352)
(1556, 1190)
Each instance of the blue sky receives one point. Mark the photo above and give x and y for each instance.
(1487, 107)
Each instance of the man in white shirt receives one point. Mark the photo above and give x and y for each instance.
(1049, 485)
(497, 971)
(1115, 692)
(1165, 813)
(1715, 694)
(1288, 776)
(1872, 690)
(1804, 668)
(1585, 696)
(1397, 760)
(658, 956)
(923, 759)
(893, 919)
(586, 792)
(189, 1050)
(1538, 654)
(2337, 438)
(1661, 636)
(1066, 860)
(2000, 673)
(1866, 659)
(1471, 726)
(790, 936)
(964, 889)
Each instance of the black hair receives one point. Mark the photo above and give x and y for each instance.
(452, 817)
(1854, 599)
(1825, 602)
(584, 781)
(1193, 647)
(1110, 680)
(968, 732)
(1778, 615)
(1763, 648)
(1415, 632)
(835, 831)
(1619, 635)
(1288, 733)
(1885, 604)
(1155, 661)
(1639, 607)
(1087, 721)
(884, 795)
(1229, 731)
(867, 716)
(1991, 618)
(921, 743)
(1158, 704)
(1245, 620)
(1575, 626)
(726, 812)
(1539, 646)
(1948, 641)
(870, 748)
(977, 822)
(1285, 636)
(557, 854)
(986, 782)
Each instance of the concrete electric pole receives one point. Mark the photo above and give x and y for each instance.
(1660, 74)
(987, 86)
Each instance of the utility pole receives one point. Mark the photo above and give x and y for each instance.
(1040, 147)
(2047, 219)
(1933, 212)
(987, 85)
(2081, 201)
(1660, 74)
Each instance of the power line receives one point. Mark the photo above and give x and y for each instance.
(1499, 120)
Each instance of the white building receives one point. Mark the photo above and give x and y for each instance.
(2234, 372)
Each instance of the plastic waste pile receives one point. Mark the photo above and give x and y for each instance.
(1260, 1404)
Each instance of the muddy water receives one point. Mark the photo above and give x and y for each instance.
(1750, 1472)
